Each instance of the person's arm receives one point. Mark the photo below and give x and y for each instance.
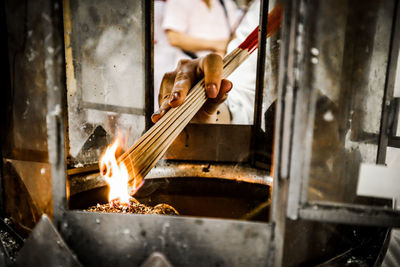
(193, 44)
(176, 85)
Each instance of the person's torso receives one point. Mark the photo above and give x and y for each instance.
(210, 23)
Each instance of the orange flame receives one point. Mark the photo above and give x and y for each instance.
(115, 174)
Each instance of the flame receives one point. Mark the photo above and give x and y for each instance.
(115, 174)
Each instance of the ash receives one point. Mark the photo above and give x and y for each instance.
(9, 241)
(134, 208)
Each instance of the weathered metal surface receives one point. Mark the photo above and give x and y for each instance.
(26, 138)
(392, 256)
(338, 98)
(127, 240)
(157, 259)
(36, 66)
(212, 142)
(347, 126)
(27, 191)
(281, 162)
(211, 170)
(391, 72)
(351, 214)
(258, 155)
(56, 103)
(171, 169)
(194, 196)
(109, 74)
(320, 43)
(394, 120)
(45, 247)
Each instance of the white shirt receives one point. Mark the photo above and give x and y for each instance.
(164, 54)
(194, 18)
(241, 98)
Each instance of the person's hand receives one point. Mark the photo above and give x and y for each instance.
(176, 85)
(220, 47)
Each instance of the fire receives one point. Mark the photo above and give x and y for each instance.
(115, 174)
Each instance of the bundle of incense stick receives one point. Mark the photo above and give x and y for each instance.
(144, 154)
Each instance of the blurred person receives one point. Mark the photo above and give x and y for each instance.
(198, 27)
(237, 108)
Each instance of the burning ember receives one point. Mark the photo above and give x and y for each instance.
(116, 174)
(117, 177)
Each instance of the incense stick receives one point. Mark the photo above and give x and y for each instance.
(145, 153)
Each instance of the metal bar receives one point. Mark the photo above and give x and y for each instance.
(258, 100)
(56, 99)
(350, 214)
(148, 9)
(280, 186)
(394, 117)
(305, 96)
(389, 85)
(79, 170)
(5, 100)
(114, 108)
(394, 141)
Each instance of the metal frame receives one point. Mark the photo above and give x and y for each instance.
(299, 155)
(127, 234)
(149, 54)
(72, 223)
(56, 103)
(5, 100)
(212, 143)
(295, 162)
(281, 184)
(350, 214)
(389, 86)
(127, 239)
(147, 6)
(56, 122)
(57, 113)
(393, 138)
(258, 99)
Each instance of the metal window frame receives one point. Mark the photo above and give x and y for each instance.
(75, 226)
(393, 138)
(57, 123)
(303, 109)
(251, 132)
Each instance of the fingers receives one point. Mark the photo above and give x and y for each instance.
(161, 111)
(212, 104)
(184, 80)
(176, 85)
(167, 84)
(212, 67)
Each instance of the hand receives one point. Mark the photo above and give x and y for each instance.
(219, 46)
(176, 85)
